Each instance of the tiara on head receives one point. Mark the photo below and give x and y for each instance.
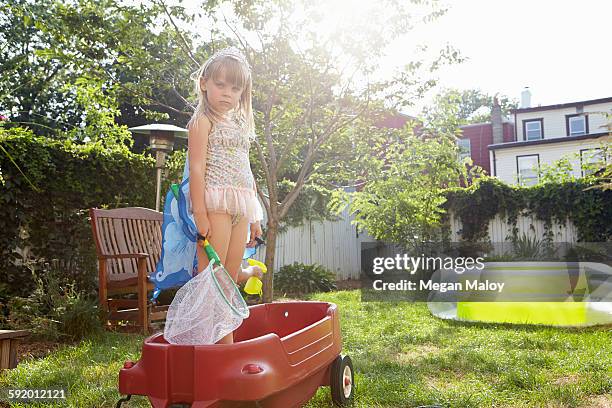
(231, 52)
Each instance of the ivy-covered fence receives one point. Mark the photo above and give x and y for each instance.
(588, 209)
(528, 225)
(46, 189)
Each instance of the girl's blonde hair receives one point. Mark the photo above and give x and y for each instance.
(237, 71)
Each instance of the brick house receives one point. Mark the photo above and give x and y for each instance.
(476, 138)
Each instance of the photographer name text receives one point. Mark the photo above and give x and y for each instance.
(468, 285)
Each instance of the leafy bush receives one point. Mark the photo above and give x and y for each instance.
(78, 316)
(54, 310)
(299, 279)
(46, 190)
(528, 248)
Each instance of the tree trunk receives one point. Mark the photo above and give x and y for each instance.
(268, 288)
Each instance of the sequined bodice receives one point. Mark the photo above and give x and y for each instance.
(227, 160)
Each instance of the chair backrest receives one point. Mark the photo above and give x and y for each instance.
(124, 231)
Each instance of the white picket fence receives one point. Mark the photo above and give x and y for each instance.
(332, 244)
(499, 229)
(337, 246)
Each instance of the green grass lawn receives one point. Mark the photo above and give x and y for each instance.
(402, 355)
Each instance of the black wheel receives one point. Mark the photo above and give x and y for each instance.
(342, 382)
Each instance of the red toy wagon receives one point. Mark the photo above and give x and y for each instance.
(282, 353)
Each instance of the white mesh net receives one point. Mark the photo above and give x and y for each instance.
(205, 309)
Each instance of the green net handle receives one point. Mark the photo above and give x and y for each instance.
(210, 252)
(212, 255)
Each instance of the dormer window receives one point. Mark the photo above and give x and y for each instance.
(533, 129)
(577, 125)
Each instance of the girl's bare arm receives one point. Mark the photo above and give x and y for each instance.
(197, 144)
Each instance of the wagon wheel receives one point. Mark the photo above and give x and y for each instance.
(342, 380)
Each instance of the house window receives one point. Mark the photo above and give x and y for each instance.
(465, 149)
(591, 160)
(533, 129)
(527, 169)
(577, 125)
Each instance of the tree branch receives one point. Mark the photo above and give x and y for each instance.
(245, 44)
(288, 145)
(308, 161)
(291, 197)
(42, 85)
(269, 179)
(184, 44)
(268, 131)
(178, 94)
(263, 199)
(149, 99)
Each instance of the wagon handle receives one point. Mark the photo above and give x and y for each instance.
(122, 400)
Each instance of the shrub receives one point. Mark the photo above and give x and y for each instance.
(54, 310)
(299, 279)
(46, 190)
(78, 315)
(528, 248)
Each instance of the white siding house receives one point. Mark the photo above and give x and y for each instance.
(545, 134)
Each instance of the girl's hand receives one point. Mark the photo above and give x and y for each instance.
(255, 232)
(249, 271)
(203, 224)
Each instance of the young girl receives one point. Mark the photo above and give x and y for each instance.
(222, 186)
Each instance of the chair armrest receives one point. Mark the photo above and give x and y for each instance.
(125, 256)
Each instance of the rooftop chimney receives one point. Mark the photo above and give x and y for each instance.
(526, 98)
(496, 121)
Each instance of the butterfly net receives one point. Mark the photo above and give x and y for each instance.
(205, 309)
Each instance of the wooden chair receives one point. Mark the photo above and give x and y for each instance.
(128, 245)
(8, 347)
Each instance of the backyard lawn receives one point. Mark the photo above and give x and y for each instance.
(403, 357)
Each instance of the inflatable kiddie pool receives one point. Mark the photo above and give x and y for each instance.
(588, 303)
(282, 353)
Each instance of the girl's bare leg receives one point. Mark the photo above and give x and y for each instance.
(233, 263)
(235, 252)
(235, 249)
(221, 226)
